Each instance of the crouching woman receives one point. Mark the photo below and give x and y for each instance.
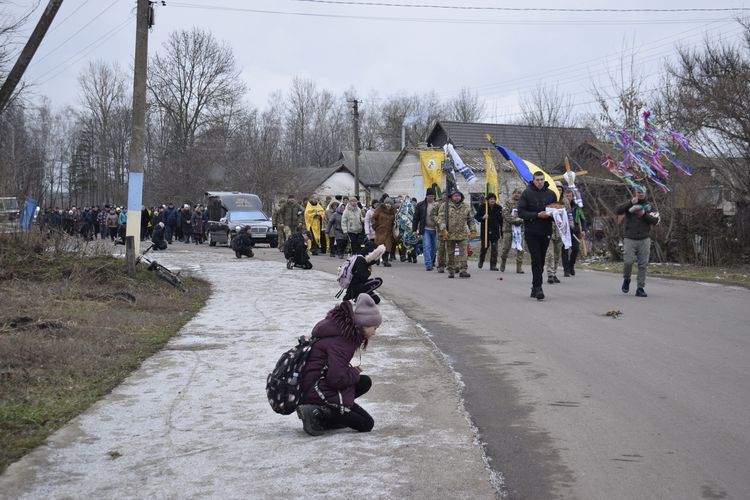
(331, 383)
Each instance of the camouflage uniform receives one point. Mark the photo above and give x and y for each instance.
(289, 214)
(460, 223)
(440, 243)
(508, 222)
(554, 251)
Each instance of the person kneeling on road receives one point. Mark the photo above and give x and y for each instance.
(242, 243)
(362, 282)
(333, 382)
(157, 237)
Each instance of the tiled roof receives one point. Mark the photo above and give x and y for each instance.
(543, 146)
(305, 180)
(373, 165)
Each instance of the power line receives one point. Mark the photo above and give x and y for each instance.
(60, 45)
(82, 53)
(520, 9)
(520, 22)
(69, 16)
(575, 78)
(575, 67)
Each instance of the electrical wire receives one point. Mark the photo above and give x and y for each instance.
(60, 45)
(522, 9)
(80, 55)
(521, 22)
(576, 67)
(57, 25)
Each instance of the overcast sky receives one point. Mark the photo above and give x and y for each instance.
(501, 55)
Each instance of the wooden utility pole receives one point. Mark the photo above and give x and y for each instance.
(355, 104)
(138, 133)
(28, 52)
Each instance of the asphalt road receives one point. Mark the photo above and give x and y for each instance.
(571, 403)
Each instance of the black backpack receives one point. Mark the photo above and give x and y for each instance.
(284, 383)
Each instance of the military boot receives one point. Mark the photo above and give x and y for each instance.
(502, 265)
(519, 268)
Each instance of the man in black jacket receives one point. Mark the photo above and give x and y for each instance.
(493, 220)
(637, 242)
(424, 225)
(537, 227)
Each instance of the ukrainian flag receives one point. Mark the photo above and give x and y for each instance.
(524, 168)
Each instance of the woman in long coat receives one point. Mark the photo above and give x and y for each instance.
(382, 223)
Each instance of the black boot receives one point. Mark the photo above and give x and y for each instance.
(626, 285)
(640, 292)
(312, 417)
(539, 293)
(385, 260)
(481, 263)
(533, 292)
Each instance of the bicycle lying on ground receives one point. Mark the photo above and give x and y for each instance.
(161, 271)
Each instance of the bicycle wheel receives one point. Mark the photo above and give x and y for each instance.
(169, 277)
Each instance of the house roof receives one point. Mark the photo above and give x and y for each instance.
(305, 180)
(540, 145)
(373, 165)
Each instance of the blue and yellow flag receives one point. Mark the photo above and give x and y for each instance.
(525, 168)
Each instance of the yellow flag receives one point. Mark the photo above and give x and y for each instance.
(432, 167)
(491, 178)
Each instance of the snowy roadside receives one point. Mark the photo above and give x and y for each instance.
(194, 421)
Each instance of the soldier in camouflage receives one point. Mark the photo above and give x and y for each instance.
(456, 225)
(510, 219)
(440, 241)
(288, 219)
(554, 251)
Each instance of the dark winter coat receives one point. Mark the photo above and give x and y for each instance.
(382, 223)
(636, 228)
(334, 229)
(170, 216)
(494, 219)
(420, 217)
(532, 202)
(185, 216)
(339, 338)
(197, 221)
(242, 242)
(157, 238)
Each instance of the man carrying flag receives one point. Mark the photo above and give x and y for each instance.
(490, 216)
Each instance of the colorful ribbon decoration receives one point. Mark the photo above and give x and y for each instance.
(646, 153)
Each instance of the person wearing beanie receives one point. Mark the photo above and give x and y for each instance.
(457, 227)
(490, 217)
(333, 383)
(423, 224)
(361, 281)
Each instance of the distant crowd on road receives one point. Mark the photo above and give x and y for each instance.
(187, 223)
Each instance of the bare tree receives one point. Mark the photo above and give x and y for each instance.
(105, 117)
(465, 107)
(195, 84)
(711, 99)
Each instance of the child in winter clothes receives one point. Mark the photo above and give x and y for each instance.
(361, 281)
(333, 382)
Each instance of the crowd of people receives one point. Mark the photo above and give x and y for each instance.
(186, 224)
(440, 230)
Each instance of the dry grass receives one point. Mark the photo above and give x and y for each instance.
(736, 275)
(72, 327)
